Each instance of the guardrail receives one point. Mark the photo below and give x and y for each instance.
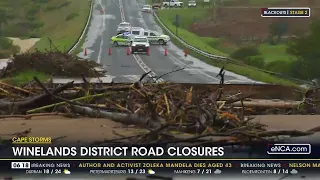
(84, 29)
(224, 59)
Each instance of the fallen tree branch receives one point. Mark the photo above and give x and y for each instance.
(40, 99)
(117, 117)
(29, 116)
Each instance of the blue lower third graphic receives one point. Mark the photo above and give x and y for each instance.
(289, 149)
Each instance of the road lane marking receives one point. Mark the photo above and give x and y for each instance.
(102, 30)
(138, 59)
(116, 3)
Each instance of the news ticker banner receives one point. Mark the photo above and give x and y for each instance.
(41, 148)
(160, 166)
(285, 12)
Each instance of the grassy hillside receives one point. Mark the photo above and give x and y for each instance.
(60, 20)
(66, 23)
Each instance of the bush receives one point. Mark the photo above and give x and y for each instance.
(35, 25)
(31, 18)
(34, 34)
(6, 53)
(64, 4)
(284, 67)
(16, 30)
(244, 52)
(33, 10)
(50, 8)
(5, 43)
(22, 29)
(256, 61)
(71, 16)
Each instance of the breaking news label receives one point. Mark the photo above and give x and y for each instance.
(286, 12)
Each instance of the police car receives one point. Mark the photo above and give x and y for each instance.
(122, 39)
(156, 38)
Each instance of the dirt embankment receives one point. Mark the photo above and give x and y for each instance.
(24, 44)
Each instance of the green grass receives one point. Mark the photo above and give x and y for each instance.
(202, 43)
(186, 18)
(25, 77)
(63, 33)
(79, 48)
(262, 2)
(251, 2)
(275, 52)
(167, 17)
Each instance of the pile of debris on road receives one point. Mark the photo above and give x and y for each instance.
(164, 109)
(54, 63)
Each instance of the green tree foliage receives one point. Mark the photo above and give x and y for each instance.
(256, 61)
(307, 49)
(5, 43)
(7, 48)
(3, 19)
(283, 67)
(245, 52)
(71, 16)
(277, 29)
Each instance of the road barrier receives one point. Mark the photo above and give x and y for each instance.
(84, 29)
(225, 59)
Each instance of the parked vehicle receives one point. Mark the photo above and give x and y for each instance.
(123, 27)
(137, 31)
(172, 3)
(156, 38)
(192, 3)
(140, 44)
(156, 6)
(122, 39)
(146, 8)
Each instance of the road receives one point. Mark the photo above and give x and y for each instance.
(128, 68)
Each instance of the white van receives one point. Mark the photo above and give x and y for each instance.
(137, 31)
(153, 36)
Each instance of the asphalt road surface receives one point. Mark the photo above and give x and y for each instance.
(128, 68)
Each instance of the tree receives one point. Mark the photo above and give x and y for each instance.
(3, 19)
(278, 29)
(306, 49)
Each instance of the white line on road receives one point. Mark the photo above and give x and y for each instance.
(102, 30)
(140, 62)
(116, 3)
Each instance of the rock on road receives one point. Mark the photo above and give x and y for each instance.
(129, 68)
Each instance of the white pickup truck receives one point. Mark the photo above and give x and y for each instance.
(172, 3)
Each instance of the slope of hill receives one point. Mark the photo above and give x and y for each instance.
(60, 20)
